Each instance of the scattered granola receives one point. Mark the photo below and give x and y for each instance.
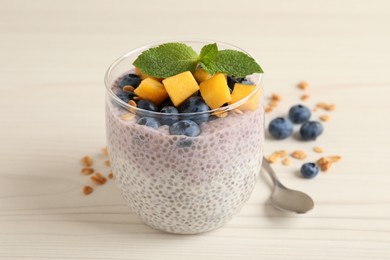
(272, 158)
(334, 158)
(98, 178)
(323, 163)
(87, 170)
(273, 103)
(281, 153)
(324, 118)
(298, 154)
(286, 161)
(87, 190)
(107, 163)
(86, 161)
(330, 107)
(276, 155)
(276, 97)
(325, 106)
(317, 149)
(326, 162)
(303, 85)
(304, 97)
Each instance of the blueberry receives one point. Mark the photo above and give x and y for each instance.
(299, 114)
(149, 121)
(130, 79)
(309, 170)
(192, 105)
(147, 105)
(125, 96)
(185, 127)
(247, 82)
(132, 95)
(169, 119)
(231, 80)
(167, 103)
(311, 130)
(280, 128)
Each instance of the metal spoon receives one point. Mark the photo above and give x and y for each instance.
(286, 199)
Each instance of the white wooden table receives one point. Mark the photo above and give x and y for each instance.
(53, 55)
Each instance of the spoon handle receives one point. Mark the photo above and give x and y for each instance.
(271, 172)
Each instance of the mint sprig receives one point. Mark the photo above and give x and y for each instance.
(170, 59)
(233, 63)
(167, 60)
(208, 53)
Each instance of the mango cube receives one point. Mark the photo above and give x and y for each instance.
(215, 91)
(241, 91)
(152, 90)
(180, 87)
(201, 75)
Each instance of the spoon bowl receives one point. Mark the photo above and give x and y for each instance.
(287, 199)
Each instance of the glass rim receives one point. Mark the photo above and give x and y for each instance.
(187, 41)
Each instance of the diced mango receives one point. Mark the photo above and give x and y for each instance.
(215, 91)
(241, 91)
(180, 87)
(201, 75)
(144, 76)
(152, 90)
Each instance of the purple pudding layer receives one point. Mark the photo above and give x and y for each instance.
(183, 184)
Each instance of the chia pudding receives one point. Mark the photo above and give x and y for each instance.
(184, 184)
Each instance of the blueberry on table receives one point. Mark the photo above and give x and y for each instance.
(149, 121)
(147, 105)
(185, 127)
(169, 119)
(309, 170)
(280, 128)
(299, 114)
(311, 130)
(130, 79)
(195, 104)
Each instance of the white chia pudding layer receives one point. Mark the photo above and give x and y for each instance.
(181, 184)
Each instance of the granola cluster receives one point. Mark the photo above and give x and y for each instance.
(96, 178)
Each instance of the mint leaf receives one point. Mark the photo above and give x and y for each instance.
(207, 53)
(232, 62)
(167, 60)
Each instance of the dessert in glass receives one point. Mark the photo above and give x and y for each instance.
(186, 149)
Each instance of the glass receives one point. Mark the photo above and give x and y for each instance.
(181, 184)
